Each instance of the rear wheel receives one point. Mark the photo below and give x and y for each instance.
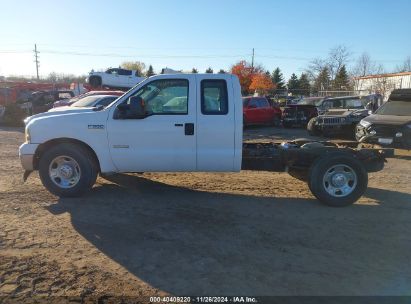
(338, 179)
(67, 170)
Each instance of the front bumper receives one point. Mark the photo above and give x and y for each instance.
(26, 154)
(384, 135)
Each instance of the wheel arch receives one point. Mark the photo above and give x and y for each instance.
(55, 141)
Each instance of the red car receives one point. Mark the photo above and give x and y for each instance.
(68, 102)
(258, 111)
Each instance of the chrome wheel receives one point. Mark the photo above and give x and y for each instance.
(340, 180)
(64, 171)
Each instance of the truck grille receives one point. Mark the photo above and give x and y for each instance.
(331, 120)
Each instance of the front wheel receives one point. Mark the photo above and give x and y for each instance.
(338, 179)
(67, 170)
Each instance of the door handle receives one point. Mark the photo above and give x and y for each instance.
(189, 129)
(178, 125)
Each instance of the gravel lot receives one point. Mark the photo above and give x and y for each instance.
(252, 233)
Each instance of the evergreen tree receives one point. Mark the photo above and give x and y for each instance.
(278, 79)
(304, 84)
(209, 71)
(150, 71)
(293, 83)
(322, 82)
(221, 71)
(194, 71)
(341, 81)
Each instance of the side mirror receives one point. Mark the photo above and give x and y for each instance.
(133, 109)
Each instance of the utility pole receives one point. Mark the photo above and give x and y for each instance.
(36, 59)
(252, 60)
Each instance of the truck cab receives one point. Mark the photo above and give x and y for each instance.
(182, 122)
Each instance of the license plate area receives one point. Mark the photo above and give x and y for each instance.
(385, 141)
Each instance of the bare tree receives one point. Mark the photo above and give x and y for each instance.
(315, 67)
(337, 57)
(364, 66)
(406, 66)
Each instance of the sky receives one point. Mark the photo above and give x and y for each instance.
(74, 37)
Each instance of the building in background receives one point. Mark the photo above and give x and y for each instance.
(382, 84)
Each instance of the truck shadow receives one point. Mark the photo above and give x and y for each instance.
(200, 243)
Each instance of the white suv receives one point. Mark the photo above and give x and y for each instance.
(115, 78)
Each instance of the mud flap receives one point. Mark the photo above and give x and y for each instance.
(26, 175)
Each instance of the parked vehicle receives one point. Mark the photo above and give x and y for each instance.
(300, 113)
(258, 111)
(92, 101)
(341, 119)
(185, 122)
(68, 102)
(42, 101)
(114, 78)
(391, 124)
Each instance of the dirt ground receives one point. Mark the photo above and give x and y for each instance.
(251, 233)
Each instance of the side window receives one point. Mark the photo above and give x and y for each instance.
(214, 97)
(253, 103)
(337, 104)
(124, 72)
(262, 103)
(167, 96)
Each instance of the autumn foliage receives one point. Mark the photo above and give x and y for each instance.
(261, 83)
(252, 78)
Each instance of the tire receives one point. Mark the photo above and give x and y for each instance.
(76, 160)
(95, 81)
(312, 130)
(321, 179)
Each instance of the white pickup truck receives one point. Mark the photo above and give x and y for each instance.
(183, 122)
(114, 78)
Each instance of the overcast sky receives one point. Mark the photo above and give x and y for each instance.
(77, 36)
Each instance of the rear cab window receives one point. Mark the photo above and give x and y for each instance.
(214, 97)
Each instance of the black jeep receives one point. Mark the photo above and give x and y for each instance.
(342, 119)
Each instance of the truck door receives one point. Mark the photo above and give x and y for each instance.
(215, 124)
(165, 139)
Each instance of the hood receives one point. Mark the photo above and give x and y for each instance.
(388, 119)
(57, 112)
(345, 112)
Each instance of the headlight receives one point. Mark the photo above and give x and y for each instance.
(365, 123)
(27, 135)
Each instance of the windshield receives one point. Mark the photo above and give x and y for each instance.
(398, 108)
(86, 101)
(354, 104)
(307, 101)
